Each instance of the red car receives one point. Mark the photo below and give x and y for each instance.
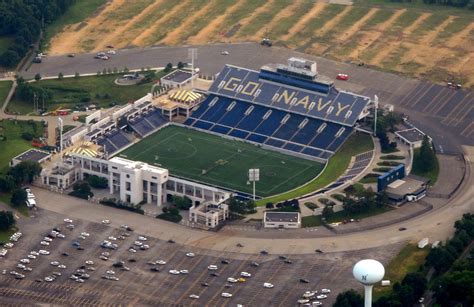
(343, 77)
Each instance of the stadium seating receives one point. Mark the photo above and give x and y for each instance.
(113, 141)
(146, 123)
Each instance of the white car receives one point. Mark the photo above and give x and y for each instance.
(9, 245)
(317, 303)
(105, 221)
(267, 285)
(225, 52)
(326, 291)
(20, 266)
(309, 294)
(89, 262)
(138, 243)
(194, 296)
(212, 267)
(55, 263)
(67, 221)
(47, 239)
(25, 260)
(184, 271)
(111, 272)
(132, 250)
(160, 262)
(111, 52)
(302, 301)
(49, 279)
(245, 274)
(232, 280)
(60, 235)
(112, 238)
(34, 253)
(44, 243)
(142, 238)
(145, 247)
(62, 266)
(190, 254)
(225, 294)
(321, 296)
(43, 252)
(79, 280)
(70, 226)
(31, 256)
(85, 234)
(174, 272)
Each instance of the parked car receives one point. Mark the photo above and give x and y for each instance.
(342, 77)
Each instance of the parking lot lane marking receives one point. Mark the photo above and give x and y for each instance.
(448, 119)
(443, 96)
(463, 115)
(416, 101)
(468, 130)
(416, 90)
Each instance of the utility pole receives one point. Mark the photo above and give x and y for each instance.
(376, 102)
(254, 175)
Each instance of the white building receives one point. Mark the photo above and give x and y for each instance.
(281, 219)
(209, 215)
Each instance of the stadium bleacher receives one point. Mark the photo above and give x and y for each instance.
(113, 141)
(260, 108)
(147, 123)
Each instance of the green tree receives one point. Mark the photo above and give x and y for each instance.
(349, 298)
(427, 157)
(7, 220)
(18, 198)
(60, 76)
(455, 289)
(180, 65)
(168, 67)
(77, 75)
(7, 183)
(328, 212)
(182, 203)
(25, 172)
(98, 182)
(82, 187)
(37, 77)
(241, 207)
(417, 282)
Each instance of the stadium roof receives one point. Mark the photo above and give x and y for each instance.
(244, 84)
(185, 96)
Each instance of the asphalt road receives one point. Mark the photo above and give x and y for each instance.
(450, 124)
(435, 224)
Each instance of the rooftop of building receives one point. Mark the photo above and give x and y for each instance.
(292, 217)
(33, 155)
(178, 76)
(411, 135)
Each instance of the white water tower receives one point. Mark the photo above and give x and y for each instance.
(368, 272)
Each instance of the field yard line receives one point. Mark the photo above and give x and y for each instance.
(333, 22)
(108, 39)
(455, 40)
(205, 33)
(288, 11)
(391, 45)
(243, 22)
(295, 175)
(317, 8)
(425, 41)
(173, 36)
(357, 25)
(140, 39)
(68, 40)
(379, 31)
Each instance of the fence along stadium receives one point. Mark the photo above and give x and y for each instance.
(290, 109)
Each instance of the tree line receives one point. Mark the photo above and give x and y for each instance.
(23, 20)
(469, 4)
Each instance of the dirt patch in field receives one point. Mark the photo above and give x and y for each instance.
(391, 45)
(371, 36)
(333, 22)
(110, 39)
(69, 40)
(173, 37)
(356, 26)
(140, 39)
(208, 31)
(317, 8)
(288, 11)
(462, 38)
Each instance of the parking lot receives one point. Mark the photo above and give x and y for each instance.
(142, 286)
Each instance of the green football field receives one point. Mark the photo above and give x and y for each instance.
(211, 159)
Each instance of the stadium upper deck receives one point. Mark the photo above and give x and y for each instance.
(295, 91)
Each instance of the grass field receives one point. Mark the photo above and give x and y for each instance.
(357, 143)
(14, 144)
(411, 38)
(71, 92)
(407, 261)
(5, 87)
(215, 160)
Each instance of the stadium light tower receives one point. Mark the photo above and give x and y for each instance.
(192, 55)
(376, 103)
(254, 175)
(368, 272)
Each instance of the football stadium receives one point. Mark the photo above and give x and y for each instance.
(286, 120)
